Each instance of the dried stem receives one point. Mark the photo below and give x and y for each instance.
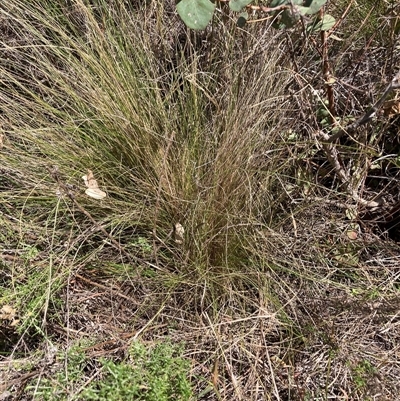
(326, 68)
(263, 8)
(370, 114)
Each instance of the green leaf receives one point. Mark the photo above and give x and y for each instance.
(303, 10)
(276, 3)
(288, 19)
(311, 7)
(323, 113)
(241, 22)
(196, 14)
(327, 22)
(314, 5)
(322, 25)
(238, 5)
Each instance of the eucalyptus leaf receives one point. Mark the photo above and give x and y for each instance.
(289, 19)
(238, 5)
(196, 14)
(276, 3)
(314, 5)
(325, 24)
(303, 10)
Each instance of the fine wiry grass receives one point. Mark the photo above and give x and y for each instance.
(82, 89)
(179, 130)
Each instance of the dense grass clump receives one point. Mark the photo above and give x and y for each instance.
(169, 143)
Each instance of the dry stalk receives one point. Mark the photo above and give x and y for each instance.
(342, 172)
(341, 19)
(370, 114)
(327, 72)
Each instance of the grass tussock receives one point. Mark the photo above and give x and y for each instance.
(167, 150)
(214, 233)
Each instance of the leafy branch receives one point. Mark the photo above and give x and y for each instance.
(197, 14)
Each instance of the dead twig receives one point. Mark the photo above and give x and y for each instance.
(326, 69)
(108, 289)
(336, 162)
(263, 8)
(370, 114)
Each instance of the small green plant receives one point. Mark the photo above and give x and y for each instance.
(143, 245)
(157, 373)
(362, 373)
(152, 374)
(66, 381)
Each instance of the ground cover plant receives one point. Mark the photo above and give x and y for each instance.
(176, 223)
